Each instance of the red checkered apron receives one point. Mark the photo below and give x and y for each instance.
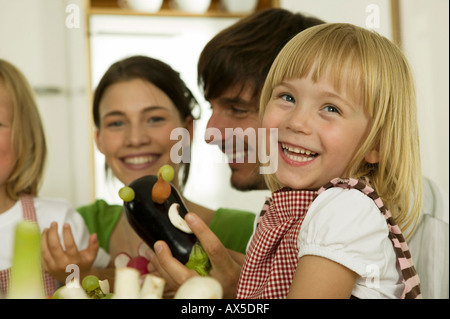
(272, 255)
(29, 213)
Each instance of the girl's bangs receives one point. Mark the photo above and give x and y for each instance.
(323, 55)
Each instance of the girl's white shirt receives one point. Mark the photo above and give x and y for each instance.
(346, 226)
(48, 210)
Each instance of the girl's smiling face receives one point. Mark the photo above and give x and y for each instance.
(319, 131)
(136, 119)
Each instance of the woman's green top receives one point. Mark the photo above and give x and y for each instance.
(233, 227)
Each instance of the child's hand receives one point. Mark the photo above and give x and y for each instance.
(226, 265)
(56, 259)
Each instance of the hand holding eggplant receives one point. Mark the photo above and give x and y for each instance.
(156, 211)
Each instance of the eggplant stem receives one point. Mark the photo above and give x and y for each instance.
(199, 260)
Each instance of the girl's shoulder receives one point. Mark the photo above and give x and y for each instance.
(337, 198)
(58, 210)
(339, 210)
(52, 201)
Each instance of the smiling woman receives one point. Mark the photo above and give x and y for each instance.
(136, 119)
(137, 104)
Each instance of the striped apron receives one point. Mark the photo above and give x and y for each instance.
(29, 213)
(272, 256)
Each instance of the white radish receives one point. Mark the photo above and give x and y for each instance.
(104, 286)
(72, 292)
(142, 248)
(177, 220)
(121, 260)
(153, 287)
(200, 288)
(126, 284)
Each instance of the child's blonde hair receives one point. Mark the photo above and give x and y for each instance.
(27, 136)
(378, 73)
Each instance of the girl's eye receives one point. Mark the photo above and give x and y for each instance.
(332, 109)
(287, 98)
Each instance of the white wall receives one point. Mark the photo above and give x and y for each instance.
(425, 40)
(424, 37)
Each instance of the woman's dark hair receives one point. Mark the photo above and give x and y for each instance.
(242, 54)
(159, 74)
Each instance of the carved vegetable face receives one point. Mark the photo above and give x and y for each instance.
(152, 221)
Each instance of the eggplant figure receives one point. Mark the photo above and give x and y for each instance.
(163, 219)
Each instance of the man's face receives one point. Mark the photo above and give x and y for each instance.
(236, 109)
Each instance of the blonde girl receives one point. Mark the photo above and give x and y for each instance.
(23, 154)
(343, 100)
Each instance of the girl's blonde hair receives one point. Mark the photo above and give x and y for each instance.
(27, 136)
(377, 71)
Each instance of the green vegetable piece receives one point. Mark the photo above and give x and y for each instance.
(56, 294)
(199, 260)
(26, 272)
(126, 194)
(90, 283)
(166, 172)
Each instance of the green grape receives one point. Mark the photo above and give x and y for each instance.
(166, 172)
(90, 283)
(126, 194)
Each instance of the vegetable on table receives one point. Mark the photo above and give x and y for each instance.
(128, 284)
(26, 272)
(200, 288)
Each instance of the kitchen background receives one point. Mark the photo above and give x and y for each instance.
(64, 46)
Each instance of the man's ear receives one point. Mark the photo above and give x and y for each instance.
(373, 156)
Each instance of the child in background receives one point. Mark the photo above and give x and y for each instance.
(343, 100)
(22, 157)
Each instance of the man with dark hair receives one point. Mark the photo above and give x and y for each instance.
(231, 71)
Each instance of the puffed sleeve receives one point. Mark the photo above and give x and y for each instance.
(345, 226)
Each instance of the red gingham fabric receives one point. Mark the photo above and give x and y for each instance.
(272, 255)
(29, 213)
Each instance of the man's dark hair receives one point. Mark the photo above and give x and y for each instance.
(241, 55)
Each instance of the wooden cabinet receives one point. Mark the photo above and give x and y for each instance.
(112, 7)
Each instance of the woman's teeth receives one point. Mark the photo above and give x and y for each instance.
(138, 160)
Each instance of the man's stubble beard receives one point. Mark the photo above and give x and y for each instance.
(254, 182)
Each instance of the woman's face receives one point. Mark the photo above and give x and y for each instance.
(7, 153)
(136, 119)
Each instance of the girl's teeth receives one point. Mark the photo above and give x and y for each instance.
(297, 158)
(297, 150)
